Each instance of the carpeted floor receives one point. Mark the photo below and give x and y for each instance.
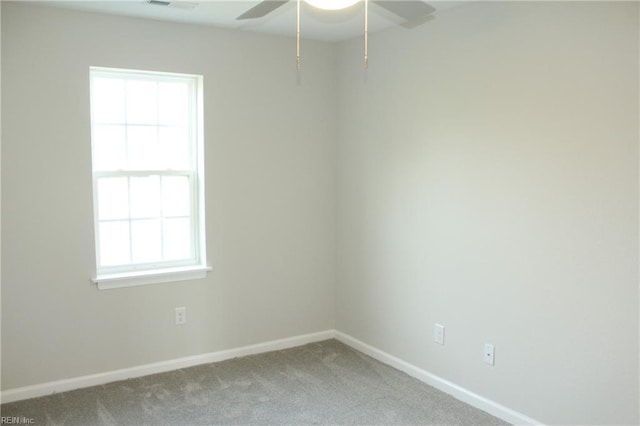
(325, 383)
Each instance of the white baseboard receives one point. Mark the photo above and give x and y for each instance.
(43, 389)
(439, 383)
(458, 392)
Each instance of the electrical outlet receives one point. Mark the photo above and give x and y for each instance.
(488, 354)
(181, 316)
(438, 334)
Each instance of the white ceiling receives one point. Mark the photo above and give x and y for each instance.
(315, 24)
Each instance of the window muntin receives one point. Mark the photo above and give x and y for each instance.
(147, 170)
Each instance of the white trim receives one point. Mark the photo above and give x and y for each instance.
(458, 392)
(194, 173)
(130, 279)
(64, 385)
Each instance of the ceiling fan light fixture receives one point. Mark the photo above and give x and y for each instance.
(332, 4)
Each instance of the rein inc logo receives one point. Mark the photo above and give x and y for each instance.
(5, 420)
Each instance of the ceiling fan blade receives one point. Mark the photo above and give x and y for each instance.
(262, 9)
(408, 10)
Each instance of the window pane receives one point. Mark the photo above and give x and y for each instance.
(177, 239)
(142, 102)
(145, 152)
(114, 243)
(113, 198)
(108, 100)
(173, 103)
(145, 241)
(142, 142)
(174, 145)
(109, 147)
(175, 196)
(145, 197)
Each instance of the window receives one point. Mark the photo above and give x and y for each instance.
(147, 149)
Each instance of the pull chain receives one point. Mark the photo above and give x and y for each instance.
(298, 38)
(366, 34)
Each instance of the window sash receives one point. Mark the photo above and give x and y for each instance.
(130, 220)
(194, 214)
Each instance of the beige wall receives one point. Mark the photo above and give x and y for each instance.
(270, 157)
(488, 181)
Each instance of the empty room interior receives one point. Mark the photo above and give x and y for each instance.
(462, 205)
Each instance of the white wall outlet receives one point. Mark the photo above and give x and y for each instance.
(438, 334)
(181, 315)
(488, 353)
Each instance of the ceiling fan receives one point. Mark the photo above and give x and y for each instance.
(409, 10)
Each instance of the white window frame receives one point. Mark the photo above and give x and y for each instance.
(133, 274)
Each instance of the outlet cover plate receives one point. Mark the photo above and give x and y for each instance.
(181, 316)
(488, 354)
(438, 334)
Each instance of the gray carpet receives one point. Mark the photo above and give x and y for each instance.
(326, 383)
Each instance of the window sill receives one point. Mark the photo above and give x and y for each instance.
(132, 279)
